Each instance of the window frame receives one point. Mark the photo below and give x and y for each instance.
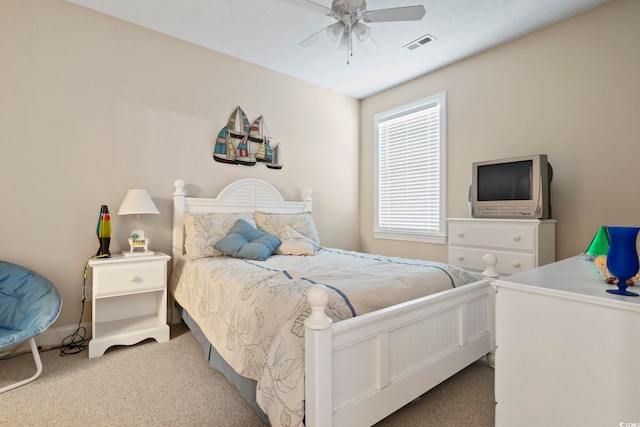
(439, 236)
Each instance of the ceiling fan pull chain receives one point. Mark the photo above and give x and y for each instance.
(347, 34)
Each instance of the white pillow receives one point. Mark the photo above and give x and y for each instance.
(294, 243)
(204, 231)
(276, 224)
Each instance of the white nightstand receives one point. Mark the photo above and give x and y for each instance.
(129, 301)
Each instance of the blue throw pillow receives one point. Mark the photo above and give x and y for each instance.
(246, 241)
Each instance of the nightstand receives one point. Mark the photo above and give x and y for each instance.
(129, 301)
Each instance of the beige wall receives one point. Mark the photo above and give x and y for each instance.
(91, 106)
(571, 91)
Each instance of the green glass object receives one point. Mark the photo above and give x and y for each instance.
(600, 243)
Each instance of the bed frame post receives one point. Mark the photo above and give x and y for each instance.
(178, 221)
(177, 242)
(306, 196)
(491, 274)
(318, 394)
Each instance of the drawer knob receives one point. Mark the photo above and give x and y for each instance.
(460, 257)
(516, 264)
(516, 238)
(461, 234)
(133, 279)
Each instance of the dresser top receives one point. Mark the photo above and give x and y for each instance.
(572, 278)
(505, 220)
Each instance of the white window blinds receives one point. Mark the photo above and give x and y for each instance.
(410, 169)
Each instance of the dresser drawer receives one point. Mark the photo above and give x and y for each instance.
(508, 262)
(496, 236)
(133, 277)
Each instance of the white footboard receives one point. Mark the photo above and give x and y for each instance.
(360, 370)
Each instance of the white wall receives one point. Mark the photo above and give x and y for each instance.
(91, 106)
(571, 90)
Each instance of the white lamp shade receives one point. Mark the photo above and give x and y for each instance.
(345, 42)
(334, 31)
(362, 31)
(137, 202)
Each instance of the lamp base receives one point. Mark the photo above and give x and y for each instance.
(138, 253)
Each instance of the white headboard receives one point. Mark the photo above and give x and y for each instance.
(244, 195)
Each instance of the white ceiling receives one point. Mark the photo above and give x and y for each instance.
(268, 32)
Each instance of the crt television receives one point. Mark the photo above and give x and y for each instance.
(517, 187)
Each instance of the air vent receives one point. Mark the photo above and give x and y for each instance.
(419, 42)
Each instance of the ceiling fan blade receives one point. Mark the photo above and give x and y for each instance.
(408, 13)
(314, 37)
(308, 4)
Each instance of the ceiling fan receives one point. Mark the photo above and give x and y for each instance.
(351, 16)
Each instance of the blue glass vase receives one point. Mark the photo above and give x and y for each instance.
(622, 259)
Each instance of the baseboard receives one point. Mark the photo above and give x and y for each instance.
(53, 336)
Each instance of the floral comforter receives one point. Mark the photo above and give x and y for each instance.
(253, 312)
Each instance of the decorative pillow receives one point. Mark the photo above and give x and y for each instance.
(276, 224)
(246, 241)
(294, 243)
(204, 231)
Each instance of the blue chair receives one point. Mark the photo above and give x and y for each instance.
(29, 304)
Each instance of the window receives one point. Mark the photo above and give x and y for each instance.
(410, 171)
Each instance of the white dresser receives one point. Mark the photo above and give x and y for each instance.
(519, 244)
(567, 351)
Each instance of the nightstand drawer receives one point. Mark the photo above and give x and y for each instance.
(115, 279)
(503, 237)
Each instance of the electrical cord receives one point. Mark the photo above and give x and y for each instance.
(77, 341)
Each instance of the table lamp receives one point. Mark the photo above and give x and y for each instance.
(138, 202)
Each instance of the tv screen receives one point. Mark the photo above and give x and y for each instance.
(506, 181)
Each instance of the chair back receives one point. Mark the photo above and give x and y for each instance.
(29, 304)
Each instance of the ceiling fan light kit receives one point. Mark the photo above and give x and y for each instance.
(334, 31)
(351, 16)
(362, 31)
(345, 44)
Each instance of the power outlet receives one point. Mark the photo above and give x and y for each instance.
(86, 294)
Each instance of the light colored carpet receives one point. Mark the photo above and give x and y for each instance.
(170, 384)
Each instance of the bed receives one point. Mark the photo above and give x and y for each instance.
(317, 335)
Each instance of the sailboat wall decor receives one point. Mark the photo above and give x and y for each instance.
(229, 138)
(223, 151)
(276, 159)
(239, 143)
(258, 135)
(244, 155)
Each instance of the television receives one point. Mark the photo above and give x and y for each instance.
(517, 187)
